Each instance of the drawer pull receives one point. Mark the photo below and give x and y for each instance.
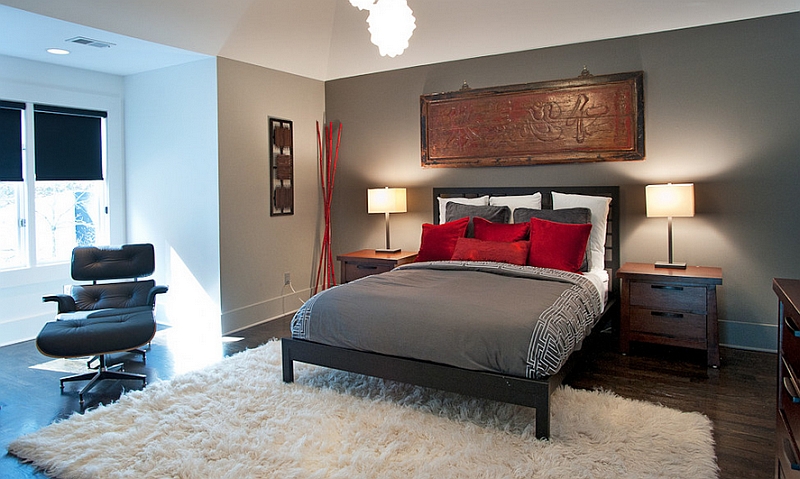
(366, 266)
(788, 451)
(792, 327)
(666, 315)
(790, 381)
(790, 389)
(669, 288)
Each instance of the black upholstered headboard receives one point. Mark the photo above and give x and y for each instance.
(612, 262)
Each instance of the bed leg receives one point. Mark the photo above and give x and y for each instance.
(288, 363)
(543, 421)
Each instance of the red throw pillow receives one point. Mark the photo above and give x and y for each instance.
(489, 231)
(439, 241)
(470, 249)
(558, 245)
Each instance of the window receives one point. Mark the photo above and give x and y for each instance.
(67, 193)
(11, 191)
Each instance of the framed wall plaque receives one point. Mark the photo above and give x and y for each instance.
(281, 167)
(585, 119)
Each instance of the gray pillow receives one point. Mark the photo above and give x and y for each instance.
(495, 214)
(573, 216)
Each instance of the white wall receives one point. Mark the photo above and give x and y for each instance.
(23, 314)
(195, 178)
(172, 184)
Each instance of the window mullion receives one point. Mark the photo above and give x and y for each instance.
(28, 155)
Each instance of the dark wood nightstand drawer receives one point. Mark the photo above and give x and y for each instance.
(367, 262)
(685, 329)
(669, 297)
(790, 397)
(787, 454)
(790, 344)
(354, 271)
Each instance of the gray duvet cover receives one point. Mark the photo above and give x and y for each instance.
(484, 316)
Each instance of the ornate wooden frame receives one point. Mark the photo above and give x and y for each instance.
(585, 119)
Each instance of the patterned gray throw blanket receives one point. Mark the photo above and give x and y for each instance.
(483, 316)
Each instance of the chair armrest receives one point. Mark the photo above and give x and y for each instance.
(151, 296)
(66, 303)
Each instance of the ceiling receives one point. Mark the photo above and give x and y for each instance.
(328, 39)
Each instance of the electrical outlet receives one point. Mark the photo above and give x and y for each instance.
(287, 278)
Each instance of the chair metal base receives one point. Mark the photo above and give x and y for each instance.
(102, 372)
(141, 351)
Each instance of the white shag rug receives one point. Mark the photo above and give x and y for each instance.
(237, 419)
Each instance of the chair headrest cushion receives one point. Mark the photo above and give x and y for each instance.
(92, 263)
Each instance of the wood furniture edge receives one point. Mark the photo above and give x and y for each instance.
(788, 295)
(370, 254)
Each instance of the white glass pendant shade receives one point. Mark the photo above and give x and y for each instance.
(391, 24)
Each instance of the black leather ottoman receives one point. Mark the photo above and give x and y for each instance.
(97, 333)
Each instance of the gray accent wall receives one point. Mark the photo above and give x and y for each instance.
(722, 109)
(256, 249)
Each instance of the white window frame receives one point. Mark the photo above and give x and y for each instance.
(27, 207)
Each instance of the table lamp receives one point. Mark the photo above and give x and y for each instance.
(386, 200)
(670, 200)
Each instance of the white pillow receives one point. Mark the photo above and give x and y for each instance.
(533, 202)
(597, 239)
(480, 201)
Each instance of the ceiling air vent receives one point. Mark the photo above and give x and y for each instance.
(90, 42)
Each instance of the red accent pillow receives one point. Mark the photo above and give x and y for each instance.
(470, 249)
(439, 241)
(558, 245)
(489, 231)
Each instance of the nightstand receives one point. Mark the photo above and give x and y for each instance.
(674, 307)
(367, 262)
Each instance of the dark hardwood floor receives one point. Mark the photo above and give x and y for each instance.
(739, 397)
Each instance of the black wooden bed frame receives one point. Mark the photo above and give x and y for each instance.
(533, 393)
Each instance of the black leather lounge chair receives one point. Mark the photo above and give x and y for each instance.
(104, 317)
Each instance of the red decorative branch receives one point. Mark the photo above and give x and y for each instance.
(328, 158)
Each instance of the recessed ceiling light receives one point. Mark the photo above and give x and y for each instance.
(58, 51)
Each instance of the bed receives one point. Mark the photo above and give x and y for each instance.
(410, 340)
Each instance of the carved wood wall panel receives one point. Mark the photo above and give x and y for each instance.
(589, 118)
(281, 167)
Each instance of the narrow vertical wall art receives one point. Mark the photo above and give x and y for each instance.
(281, 167)
(328, 158)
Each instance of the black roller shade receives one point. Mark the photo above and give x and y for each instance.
(11, 141)
(68, 143)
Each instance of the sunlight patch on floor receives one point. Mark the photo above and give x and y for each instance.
(71, 365)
